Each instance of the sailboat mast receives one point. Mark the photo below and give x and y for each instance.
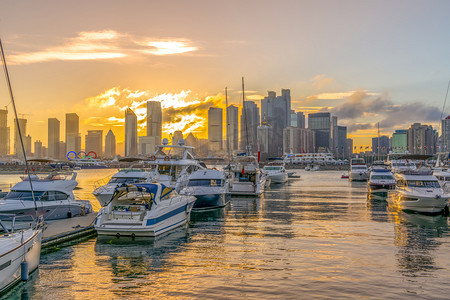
(247, 146)
(228, 128)
(378, 154)
(5, 68)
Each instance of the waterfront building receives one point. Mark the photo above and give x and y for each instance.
(265, 138)
(94, 142)
(341, 150)
(249, 124)
(154, 120)
(422, 139)
(399, 141)
(301, 120)
(445, 139)
(320, 123)
(147, 145)
(53, 138)
(349, 144)
(110, 144)
(176, 137)
(73, 136)
(380, 145)
(298, 140)
(38, 153)
(4, 132)
(334, 135)
(131, 140)
(215, 129)
(62, 150)
(233, 127)
(23, 130)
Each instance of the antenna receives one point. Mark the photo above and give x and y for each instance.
(17, 123)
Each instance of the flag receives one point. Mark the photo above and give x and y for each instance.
(243, 169)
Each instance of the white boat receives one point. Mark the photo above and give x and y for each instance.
(248, 179)
(358, 170)
(418, 191)
(146, 209)
(172, 165)
(20, 252)
(88, 163)
(211, 189)
(53, 194)
(444, 179)
(401, 165)
(104, 192)
(276, 171)
(381, 181)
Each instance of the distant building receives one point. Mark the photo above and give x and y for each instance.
(215, 129)
(320, 123)
(445, 139)
(53, 138)
(23, 130)
(341, 150)
(62, 150)
(233, 127)
(422, 139)
(301, 120)
(249, 123)
(380, 145)
(265, 138)
(94, 142)
(334, 147)
(38, 149)
(147, 145)
(349, 144)
(73, 136)
(110, 144)
(154, 120)
(131, 140)
(27, 142)
(4, 132)
(298, 140)
(399, 141)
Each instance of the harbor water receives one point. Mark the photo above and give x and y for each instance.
(317, 237)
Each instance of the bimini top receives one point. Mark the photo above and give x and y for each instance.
(150, 188)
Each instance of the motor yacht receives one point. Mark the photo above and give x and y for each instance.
(88, 163)
(276, 171)
(443, 177)
(418, 191)
(211, 188)
(20, 251)
(358, 170)
(381, 181)
(53, 195)
(145, 209)
(248, 179)
(104, 192)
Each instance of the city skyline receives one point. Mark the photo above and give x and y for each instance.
(394, 72)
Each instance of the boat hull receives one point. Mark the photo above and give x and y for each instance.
(421, 204)
(50, 211)
(278, 178)
(209, 201)
(358, 176)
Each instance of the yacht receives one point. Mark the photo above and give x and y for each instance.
(211, 189)
(20, 251)
(104, 192)
(88, 163)
(53, 194)
(444, 179)
(381, 181)
(248, 179)
(418, 191)
(172, 165)
(358, 170)
(145, 209)
(276, 171)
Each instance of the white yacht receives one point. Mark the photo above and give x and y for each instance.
(53, 194)
(211, 188)
(172, 165)
(104, 192)
(146, 209)
(276, 171)
(20, 252)
(248, 179)
(358, 170)
(418, 191)
(381, 181)
(89, 163)
(401, 165)
(444, 179)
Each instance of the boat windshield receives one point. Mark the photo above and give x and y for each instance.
(205, 182)
(125, 180)
(382, 177)
(272, 168)
(424, 183)
(23, 195)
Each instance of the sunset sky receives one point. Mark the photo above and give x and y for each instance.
(365, 61)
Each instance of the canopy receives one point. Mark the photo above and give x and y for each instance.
(151, 188)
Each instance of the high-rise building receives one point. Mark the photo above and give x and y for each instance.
(73, 136)
(301, 120)
(249, 124)
(147, 145)
(94, 142)
(233, 127)
(349, 144)
(298, 140)
(399, 141)
(215, 129)
(380, 145)
(131, 140)
(265, 138)
(38, 149)
(154, 120)
(4, 132)
(445, 140)
(53, 138)
(341, 151)
(334, 135)
(110, 144)
(422, 139)
(320, 123)
(23, 130)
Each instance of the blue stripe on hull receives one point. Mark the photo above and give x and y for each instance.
(166, 216)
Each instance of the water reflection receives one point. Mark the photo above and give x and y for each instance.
(377, 205)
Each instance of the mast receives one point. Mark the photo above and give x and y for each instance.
(247, 146)
(228, 123)
(378, 153)
(5, 68)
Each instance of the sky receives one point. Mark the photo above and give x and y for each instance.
(367, 62)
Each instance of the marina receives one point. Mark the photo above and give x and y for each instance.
(316, 235)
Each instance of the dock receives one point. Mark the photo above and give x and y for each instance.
(59, 232)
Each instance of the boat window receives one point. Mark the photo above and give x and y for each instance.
(272, 168)
(382, 177)
(121, 180)
(23, 195)
(205, 182)
(164, 169)
(424, 183)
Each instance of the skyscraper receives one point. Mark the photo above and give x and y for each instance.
(23, 130)
(399, 141)
(53, 137)
(301, 120)
(4, 132)
(38, 149)
(154, 120)
(265, 137)
(422, 139)
(320, 123)
(249, 124)
(110, 144)
(73, 137)
(445, 134)
(215, 129)
(94, 142)
(131, 140)
(233, 127)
